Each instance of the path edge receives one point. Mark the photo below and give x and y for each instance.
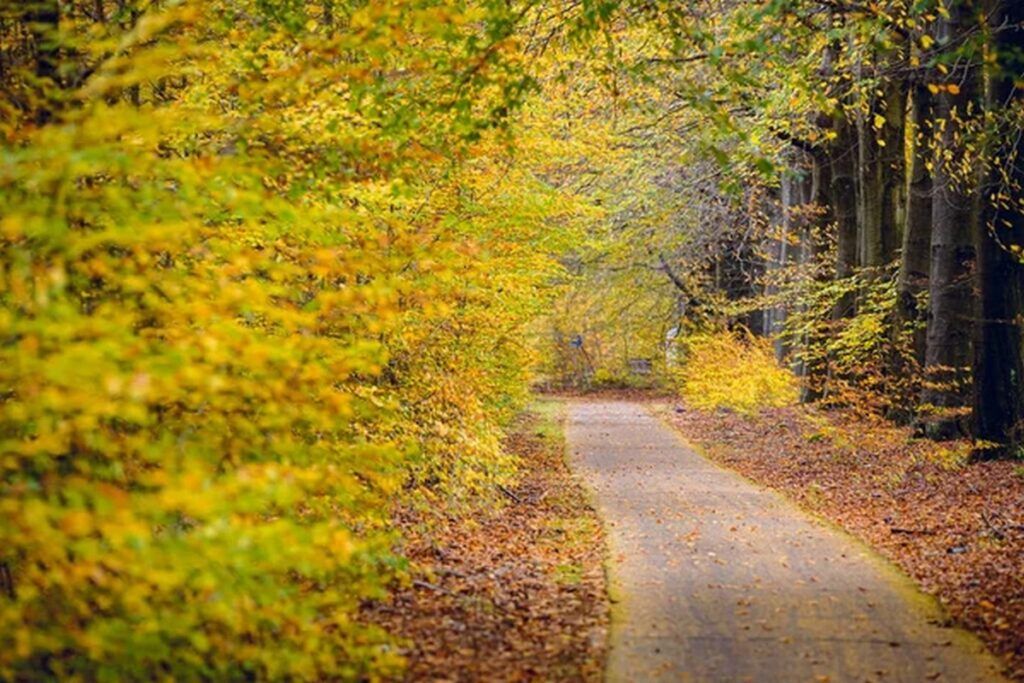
(929, 604)
(617, 604)
(613, 594)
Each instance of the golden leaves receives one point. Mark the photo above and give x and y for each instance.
(724, 371)
(244, 317)
(951, 88)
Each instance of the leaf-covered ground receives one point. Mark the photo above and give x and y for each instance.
(512, 591)
(958, 529)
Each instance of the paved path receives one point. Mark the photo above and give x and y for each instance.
(716, 579)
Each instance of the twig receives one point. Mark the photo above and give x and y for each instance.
(995, 532)
(429, 586)
(999, 531)
(450, 572)
(510, 494)
(920, 532)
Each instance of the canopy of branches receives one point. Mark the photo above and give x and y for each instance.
(268, 266)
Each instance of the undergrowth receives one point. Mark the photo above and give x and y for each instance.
(724, 370)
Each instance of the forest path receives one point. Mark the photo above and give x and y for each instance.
(717, 579)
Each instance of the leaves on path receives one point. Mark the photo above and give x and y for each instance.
(957, 529)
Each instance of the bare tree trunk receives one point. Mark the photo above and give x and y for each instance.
(892, 158)
(948, 355)
(755, 320)
(916, 262)
(881, 174)
(870, 249)
(999, 356)
(843, 198)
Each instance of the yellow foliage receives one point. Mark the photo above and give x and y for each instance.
(245, 311)
(722, 370)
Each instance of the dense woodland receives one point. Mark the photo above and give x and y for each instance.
(849, 187)
(270, 267)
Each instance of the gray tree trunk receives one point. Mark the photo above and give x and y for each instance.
(916, 262)
(948, 353)
(843, 198)
(881, 170)
(998, 399)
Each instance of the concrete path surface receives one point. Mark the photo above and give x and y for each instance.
(716, 579)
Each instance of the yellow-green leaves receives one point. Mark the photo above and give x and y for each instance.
(724, 371)
(264, 276)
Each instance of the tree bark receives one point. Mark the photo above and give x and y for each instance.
(894, 166)
(948, 353)
(843, 198)
(998, 399)
(916, 263)
(869, 196)
(881, 175)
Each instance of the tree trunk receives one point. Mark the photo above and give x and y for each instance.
(42, 17)
(843, 198)
(797, 195)
(869, 195)
(948, 353)
(755, 320)
(915, 263)
(998, 361)
(816, 367)
(894, 167)
(881, 175)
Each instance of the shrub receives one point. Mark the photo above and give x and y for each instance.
(864, 359)
(723, 370)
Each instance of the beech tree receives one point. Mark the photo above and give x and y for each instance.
(880, 109)
(998, 400)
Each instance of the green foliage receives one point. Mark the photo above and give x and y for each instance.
(849, 338)
(251, 292)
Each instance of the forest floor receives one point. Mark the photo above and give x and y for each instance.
(507, 590)
(956, 528)
(718, 579)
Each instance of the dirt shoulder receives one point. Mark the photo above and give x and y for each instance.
(956, 528)
(514, 589)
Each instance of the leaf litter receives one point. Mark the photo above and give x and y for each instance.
(510, 589)
(957, 528)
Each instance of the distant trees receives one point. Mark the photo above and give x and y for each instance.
(881, 140)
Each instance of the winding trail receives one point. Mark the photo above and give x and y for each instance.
(716, 579)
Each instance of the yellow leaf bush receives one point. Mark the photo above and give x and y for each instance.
(724, 370)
